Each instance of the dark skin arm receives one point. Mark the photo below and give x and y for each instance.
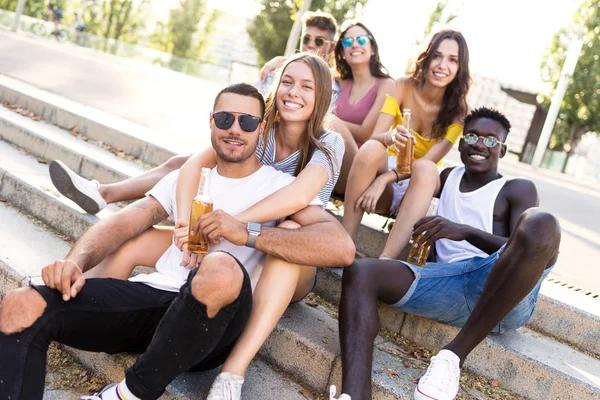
(102, 239)
(516, 196)
(321, 240)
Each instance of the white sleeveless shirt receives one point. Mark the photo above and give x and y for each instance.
(474, 208)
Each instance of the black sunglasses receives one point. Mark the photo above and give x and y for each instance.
(224, 120)
(319, 41)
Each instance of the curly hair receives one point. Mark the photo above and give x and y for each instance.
(489, 113)
(454, 104)
(375, 66)
(321, 20)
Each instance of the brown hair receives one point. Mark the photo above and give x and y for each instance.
(321, 20)
(315, 125)
(454, 104)
(244, 89)
(375, 66)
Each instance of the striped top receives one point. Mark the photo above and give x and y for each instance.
(330, 140)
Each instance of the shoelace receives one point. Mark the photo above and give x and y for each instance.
(437, 374)
(224, 387)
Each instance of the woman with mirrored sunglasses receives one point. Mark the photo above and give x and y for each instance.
(435, 92)
(364, 81)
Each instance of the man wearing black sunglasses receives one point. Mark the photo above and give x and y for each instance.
(180, 319)
(318, 36)
(493, 249)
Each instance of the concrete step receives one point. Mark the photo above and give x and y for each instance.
(148, 145)
(29, 176)
(26, 247)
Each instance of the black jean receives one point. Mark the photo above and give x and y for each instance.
(171, 329)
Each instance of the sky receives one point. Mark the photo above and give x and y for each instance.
(506, 38)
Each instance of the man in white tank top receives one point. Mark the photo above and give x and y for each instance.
(493, 248)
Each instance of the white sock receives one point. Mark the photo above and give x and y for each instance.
(119, 392)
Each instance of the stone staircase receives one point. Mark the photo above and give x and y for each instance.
(556, 356)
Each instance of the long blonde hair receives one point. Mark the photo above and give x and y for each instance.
(315, 126)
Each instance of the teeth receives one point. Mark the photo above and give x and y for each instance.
(233, 142)
(440, 75)
(477, 157)
(292, 105)
(355, 53)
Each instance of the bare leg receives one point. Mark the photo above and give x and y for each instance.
(364, 283)
(532, 247)
(370, 162)
(143, 250)
(424, 182)
(136, 187)
(280, 282)
(337, 125)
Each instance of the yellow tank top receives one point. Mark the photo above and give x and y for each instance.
(422, 145)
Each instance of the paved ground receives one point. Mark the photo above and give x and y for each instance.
(178, 105)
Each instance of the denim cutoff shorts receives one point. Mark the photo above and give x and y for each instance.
(448, 292)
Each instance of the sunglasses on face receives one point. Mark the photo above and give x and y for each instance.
(488, 141)
(348, 41)
(319, 41)
(224, 120)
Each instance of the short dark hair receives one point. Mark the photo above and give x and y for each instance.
(489, 113)
(244, 89)
(321, 20)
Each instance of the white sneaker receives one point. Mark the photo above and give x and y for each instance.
(83, 192)
(227, 386)
(441, 381)
(332, 391)
(103, 390)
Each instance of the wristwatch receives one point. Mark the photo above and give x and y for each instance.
(253, 232)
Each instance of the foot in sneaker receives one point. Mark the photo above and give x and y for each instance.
(227, 386)
(111, 387)
(332, 391)
(83, 192)
(441, 381)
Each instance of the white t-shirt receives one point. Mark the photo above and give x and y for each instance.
(230, 195)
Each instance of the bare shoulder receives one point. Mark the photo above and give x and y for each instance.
(403, 86)
(521, 191)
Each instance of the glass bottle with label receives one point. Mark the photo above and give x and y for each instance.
(201, 205)
(405, 155)
(418, 255)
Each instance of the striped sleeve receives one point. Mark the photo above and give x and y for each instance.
(335, 144)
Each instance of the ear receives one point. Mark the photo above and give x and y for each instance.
(461, 145)
(503, 150)
(261, 128)
(210, 117)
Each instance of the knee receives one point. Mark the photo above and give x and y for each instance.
(20, 309)
(424, 170)
(369, 155)
(537, 231)
(218, 281)
(355, 276)
(175, 162)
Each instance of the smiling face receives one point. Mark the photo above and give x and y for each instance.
(233, 144)
(357, 54)
(477, 157)
(295, 97)
(444, 63)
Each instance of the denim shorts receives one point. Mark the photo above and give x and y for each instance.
(448, 292)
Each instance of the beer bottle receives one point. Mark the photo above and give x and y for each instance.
(418, 255)
(201, 205)
(404, 157)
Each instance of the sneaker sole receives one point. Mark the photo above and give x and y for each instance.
(63, 182)
(423, 396)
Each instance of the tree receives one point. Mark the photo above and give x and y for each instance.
(445, 12)
(186, 34)
(580, 108)
(270, 29)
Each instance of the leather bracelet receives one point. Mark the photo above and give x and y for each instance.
(397, 176)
